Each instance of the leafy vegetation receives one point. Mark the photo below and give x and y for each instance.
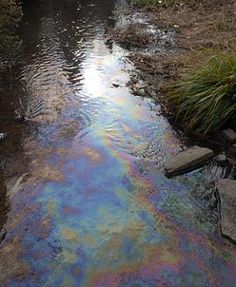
(205, 99)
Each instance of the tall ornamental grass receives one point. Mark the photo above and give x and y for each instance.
(205, 99)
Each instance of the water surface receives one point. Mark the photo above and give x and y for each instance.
(83, 196)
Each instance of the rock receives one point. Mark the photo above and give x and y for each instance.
(232, 161)
(116, 85)
(188, 160)
(227, 194)
(108, 41)
(140, 85)
(221, 158)
(3, 136)
(119, 82)
(142, 92)
(230, 135)
(139, 92)
(232, 151)
(232, 155)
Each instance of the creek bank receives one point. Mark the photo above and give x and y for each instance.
(167, 42)
(162, 54)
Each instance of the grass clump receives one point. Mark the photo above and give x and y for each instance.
(205, 99)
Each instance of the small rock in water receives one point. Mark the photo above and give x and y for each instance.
(140, 85)
(230, 135)
(227, 194)
(19, 116)
(2, 136)
(3, 234)
(116, 85)
(188, 160)
(221, 158)
(142, 92)
(232, 160)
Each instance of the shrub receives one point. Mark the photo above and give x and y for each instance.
(206, 98)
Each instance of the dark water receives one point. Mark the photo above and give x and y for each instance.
(82, 193)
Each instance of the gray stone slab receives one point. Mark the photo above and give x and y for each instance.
(188, 160)
(230, 135)
(227, 194)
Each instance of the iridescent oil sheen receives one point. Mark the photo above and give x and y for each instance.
(87, 201)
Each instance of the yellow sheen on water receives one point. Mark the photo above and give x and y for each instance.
(70, 235)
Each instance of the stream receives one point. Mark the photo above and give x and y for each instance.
(83, 197)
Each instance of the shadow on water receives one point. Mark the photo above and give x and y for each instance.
(11, 124)
(4, 204)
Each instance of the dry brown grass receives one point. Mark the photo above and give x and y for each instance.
(198, 30)
(202, 28)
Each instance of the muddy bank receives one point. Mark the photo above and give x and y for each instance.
(165, 43)
(169, 42)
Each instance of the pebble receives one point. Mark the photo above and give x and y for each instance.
(115, 85)
(221, 158)
(232, 151)
(2, 136)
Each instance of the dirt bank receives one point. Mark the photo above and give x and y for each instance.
(167, 42)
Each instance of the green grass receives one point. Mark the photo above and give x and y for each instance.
(205, 99)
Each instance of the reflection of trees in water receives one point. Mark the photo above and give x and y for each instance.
(42, 34)
(73, 20)
(10, 90)
(68, 26)
(10, 16)
(58, 35)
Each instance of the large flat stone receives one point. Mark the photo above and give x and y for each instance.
(227, 193)
(188, 160)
